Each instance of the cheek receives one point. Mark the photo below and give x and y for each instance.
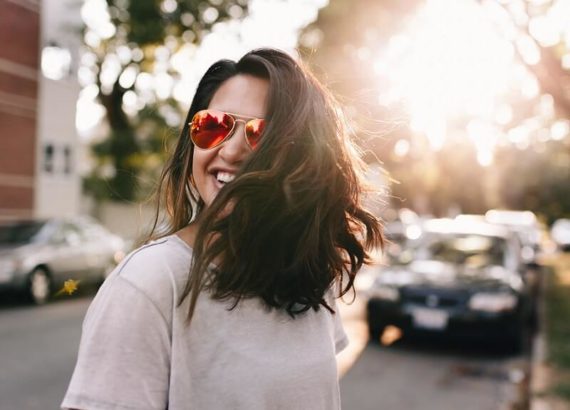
(200, 162)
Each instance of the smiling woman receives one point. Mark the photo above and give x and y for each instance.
(233, 306)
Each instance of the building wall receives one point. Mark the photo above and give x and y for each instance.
(58, 182)
(19, 73)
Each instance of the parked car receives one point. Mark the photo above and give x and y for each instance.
(401, 227)
(525, 225)
(463, 278)
(37, 256)
(530, 233)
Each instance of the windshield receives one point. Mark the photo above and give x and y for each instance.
(462, 249)
(19, 232)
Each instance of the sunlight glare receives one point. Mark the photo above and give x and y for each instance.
(484, 136)
(401, 148)
(97, 19)
(269, 23)
(127, 79)
(163, 84)
(519, 135)
(560, 129)
(504, 114)
(130, 103)
(528, 49)
(542, 29)
(530, 87)
(110, 71)
(55, 62)
(169, 6)
(546, 106)
(485, 158)
(450, 63)
(89, 112)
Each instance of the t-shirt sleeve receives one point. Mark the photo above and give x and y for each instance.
(124, 353)
(340, 338)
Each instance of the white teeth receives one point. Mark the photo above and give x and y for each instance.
(225, 177)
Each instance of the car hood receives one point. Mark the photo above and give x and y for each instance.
(18, 250)
(447, 275)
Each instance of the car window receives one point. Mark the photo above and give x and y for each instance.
(68, 233)
(20, 232)
(470, 250)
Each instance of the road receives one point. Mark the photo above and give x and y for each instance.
(426, 374)
(38, 347)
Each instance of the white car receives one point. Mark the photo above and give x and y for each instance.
(38, 256)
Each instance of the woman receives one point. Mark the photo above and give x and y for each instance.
(234, 306)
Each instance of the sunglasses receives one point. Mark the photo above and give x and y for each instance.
(210, 128)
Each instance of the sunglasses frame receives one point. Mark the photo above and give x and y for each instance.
(235, 117)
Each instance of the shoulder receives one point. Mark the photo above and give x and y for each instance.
(168, 254)
(157, 270)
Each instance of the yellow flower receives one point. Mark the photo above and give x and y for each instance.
(69, 286)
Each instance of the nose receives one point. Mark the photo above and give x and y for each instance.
(235, 149)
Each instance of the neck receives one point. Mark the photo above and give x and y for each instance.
(189, 232)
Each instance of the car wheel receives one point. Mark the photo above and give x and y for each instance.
(39, 286)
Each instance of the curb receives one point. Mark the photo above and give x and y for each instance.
(539, 353)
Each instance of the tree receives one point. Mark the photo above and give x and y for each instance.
(134, 46)
(347, 57)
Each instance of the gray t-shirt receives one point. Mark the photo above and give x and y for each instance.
(137, 352)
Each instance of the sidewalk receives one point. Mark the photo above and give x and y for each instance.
(546, 372)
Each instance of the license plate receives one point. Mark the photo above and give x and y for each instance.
(433, 319)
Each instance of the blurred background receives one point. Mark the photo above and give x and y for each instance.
(460, 107)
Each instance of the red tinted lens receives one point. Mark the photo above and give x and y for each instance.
(254, 131)
(209, 128)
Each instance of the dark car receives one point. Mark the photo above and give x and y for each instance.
(525, 225)
(462, 278)
(37, 256)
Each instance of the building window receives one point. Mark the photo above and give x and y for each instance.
(67, 160)
(48, 158)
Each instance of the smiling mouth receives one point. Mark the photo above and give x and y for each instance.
(224, 177)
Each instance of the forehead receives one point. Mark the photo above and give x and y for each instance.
(242, 94)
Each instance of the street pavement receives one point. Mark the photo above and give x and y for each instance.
(426, 374)
(38, 347)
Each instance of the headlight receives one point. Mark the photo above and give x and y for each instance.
(493, 302)
(384, 292)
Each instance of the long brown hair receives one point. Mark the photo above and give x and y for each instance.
(297, 224)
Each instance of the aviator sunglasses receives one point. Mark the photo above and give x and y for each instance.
(210, 128)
